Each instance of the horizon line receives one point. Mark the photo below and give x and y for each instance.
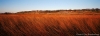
(50, 9)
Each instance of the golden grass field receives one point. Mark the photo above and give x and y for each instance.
(49, 25)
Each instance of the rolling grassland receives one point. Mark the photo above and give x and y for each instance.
(49, 25)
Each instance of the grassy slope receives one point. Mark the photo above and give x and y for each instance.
(48, 24)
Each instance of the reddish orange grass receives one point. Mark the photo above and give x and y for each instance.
(48, 24)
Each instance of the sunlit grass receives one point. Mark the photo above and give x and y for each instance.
(48, 24)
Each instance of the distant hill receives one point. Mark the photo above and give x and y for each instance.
(64, 11)
(96, 10)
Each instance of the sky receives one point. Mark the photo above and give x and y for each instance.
(28, 5)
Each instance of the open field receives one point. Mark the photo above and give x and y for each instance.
(49, 25)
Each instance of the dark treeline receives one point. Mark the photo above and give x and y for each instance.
(54, 11)
(93, 10)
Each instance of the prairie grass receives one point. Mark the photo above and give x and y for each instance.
(48, 25)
